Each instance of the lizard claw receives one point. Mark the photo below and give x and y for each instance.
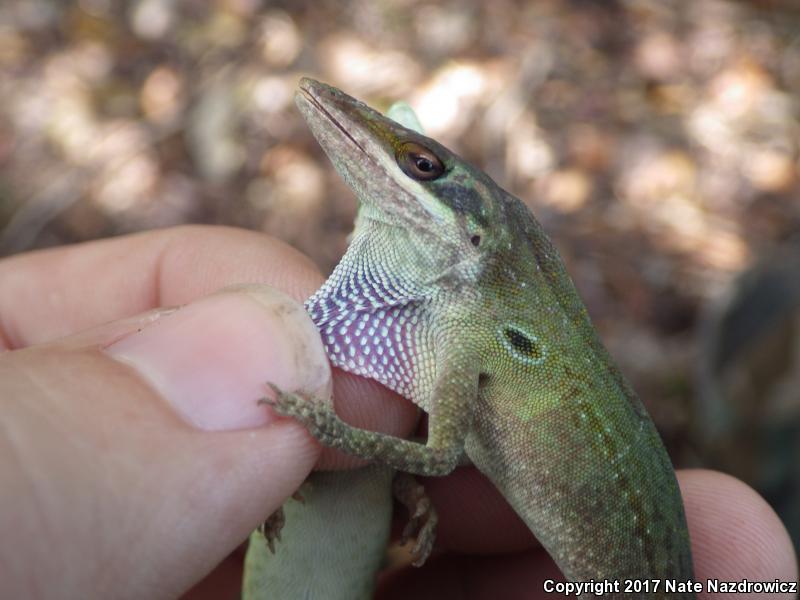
(421, 526)
(271, 528)
(317, 416)
(290, 404)
(273, 402)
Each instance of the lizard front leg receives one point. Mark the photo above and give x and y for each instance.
(450, 419)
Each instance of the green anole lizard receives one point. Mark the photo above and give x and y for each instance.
(451, 294)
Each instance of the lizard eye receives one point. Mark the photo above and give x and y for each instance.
(522, 345)
(418, 162)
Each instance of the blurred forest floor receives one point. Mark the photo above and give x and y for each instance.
(656, 140)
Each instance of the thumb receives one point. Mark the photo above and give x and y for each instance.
(134, 458)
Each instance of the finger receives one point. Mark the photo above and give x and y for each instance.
(52, 293)
(735, 534)
(149, 457)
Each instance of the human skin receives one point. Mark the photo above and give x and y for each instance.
(134, 459)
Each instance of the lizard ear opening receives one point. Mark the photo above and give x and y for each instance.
(418, 162)
(522, 345)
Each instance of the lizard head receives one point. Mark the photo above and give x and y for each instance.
(401, 177)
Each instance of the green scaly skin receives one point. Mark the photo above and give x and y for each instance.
(453, 280)
(333, 542)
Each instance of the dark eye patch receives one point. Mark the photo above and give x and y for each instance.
(463, 199)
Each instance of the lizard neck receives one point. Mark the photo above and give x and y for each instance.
(373, 322)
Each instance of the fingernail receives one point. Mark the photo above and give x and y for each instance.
(211, 359)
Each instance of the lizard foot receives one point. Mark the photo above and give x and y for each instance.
(319, 417)
(271, 528)
(422, 521)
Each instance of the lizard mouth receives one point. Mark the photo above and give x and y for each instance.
(361, 143)
(312, 92)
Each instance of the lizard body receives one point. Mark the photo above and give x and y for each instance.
(451, 294)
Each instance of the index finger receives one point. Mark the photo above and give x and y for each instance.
(51, 293)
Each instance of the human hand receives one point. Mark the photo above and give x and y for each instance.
(132, 462)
